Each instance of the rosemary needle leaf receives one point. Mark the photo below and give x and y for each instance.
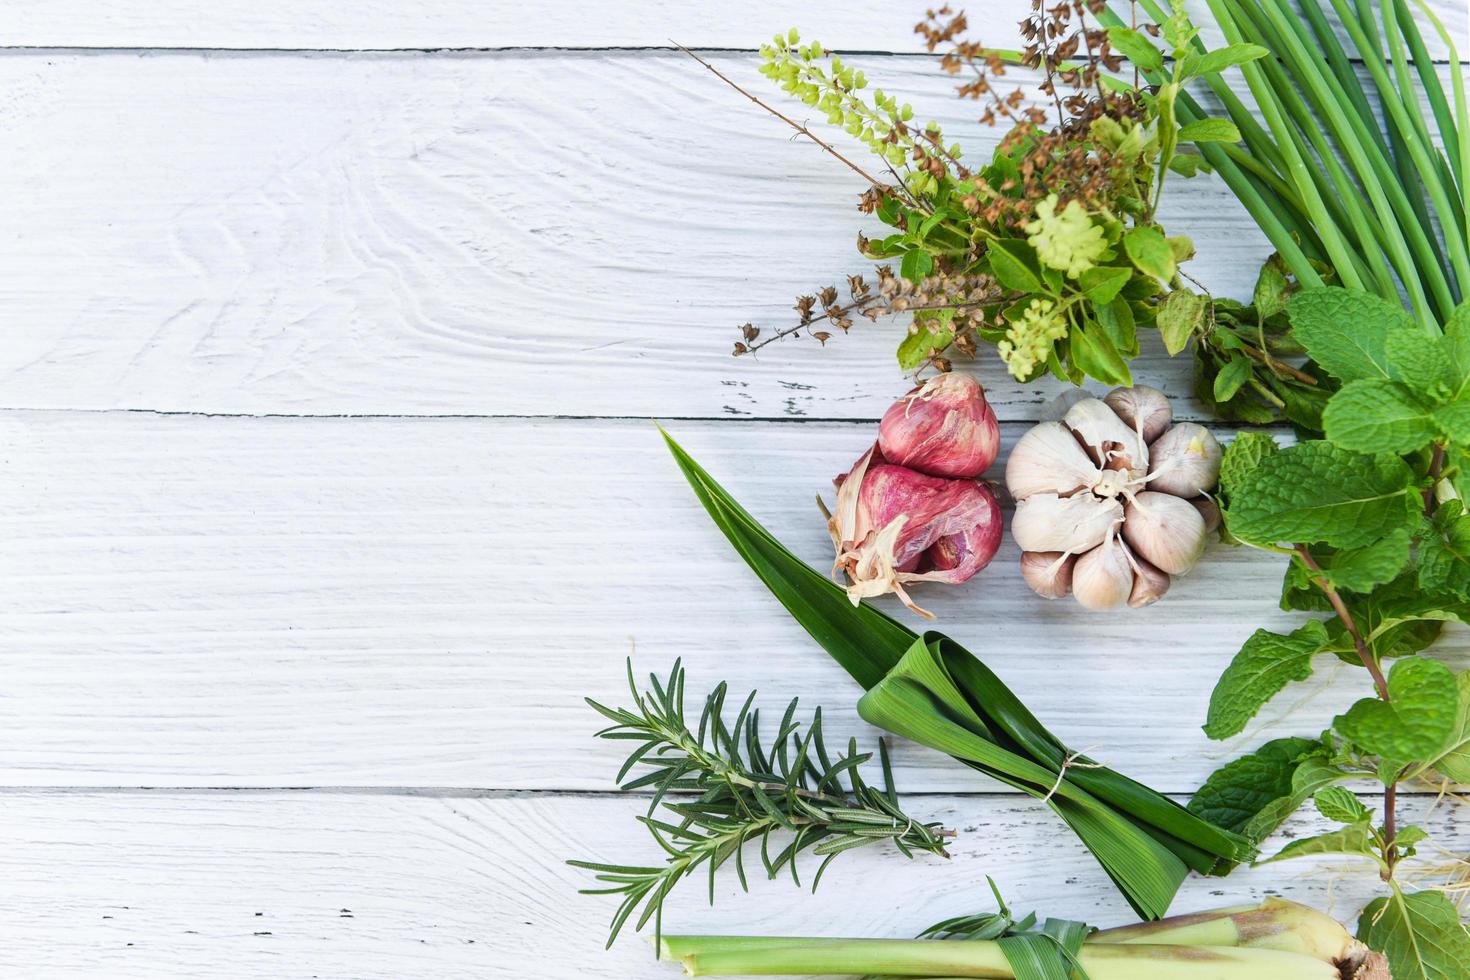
(741, 791)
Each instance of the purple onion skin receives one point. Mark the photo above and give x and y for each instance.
(952, 528)
(944, 427)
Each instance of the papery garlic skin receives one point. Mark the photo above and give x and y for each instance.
(1102, 578)
(1048, 522)
(944, 427)
(1210, 511)
(1049, 573)
(893, 526)
(1164, 530)
(1143, 409)
(1185, 460)
(1149, 584)
(1049, 459)
(1110, 442)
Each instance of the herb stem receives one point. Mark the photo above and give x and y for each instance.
(804, 131)
(1340, 607)
(1436, 464)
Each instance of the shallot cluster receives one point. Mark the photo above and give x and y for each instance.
(912, 508)
(1112, 500)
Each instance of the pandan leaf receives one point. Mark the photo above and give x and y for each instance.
(934, 691)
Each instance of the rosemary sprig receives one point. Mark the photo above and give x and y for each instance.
(744, 793)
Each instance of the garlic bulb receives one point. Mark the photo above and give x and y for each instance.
(1143, 409)
(1114, 495)
(944, 427)
(1164, 530)
(1185, 460)
(1049, 459)
(1102, 578)
(1049, 573)
(1047, 522)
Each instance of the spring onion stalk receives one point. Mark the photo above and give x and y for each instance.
(1382, 199)
(931, 690)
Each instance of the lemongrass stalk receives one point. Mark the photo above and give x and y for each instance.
(978, 958)
(1273, 924)
(1375, 177)
(1299, 171)
(1394, 108)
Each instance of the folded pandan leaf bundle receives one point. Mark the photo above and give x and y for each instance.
(932, 690)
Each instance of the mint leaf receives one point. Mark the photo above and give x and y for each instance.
(1454, 762)
(1420, 933)
(1318, 492)
(1379, 416)
(1444, 551)
(1150, 252)
(1340, 805)
(1454, 420)
(1419, 361)
(1363, 569)
(1238, 792)
(1242, 456)
(1354, 839)
(1265, 664)
(1345, 330)
(1416, 723)
(1457, 347)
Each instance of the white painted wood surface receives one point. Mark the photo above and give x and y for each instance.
(372, 634)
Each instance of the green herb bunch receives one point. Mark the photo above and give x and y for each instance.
(1051, 250)
(733, 791)
(1372, 517)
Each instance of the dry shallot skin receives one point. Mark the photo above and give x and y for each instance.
(893, 526)
(944, 427)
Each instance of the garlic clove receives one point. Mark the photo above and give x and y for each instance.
(1049, 573)
(1102, 578)
(1149, 584)
(1142, 408)
(1186, 461)
(1164, 530)
(1210, 511)
(1048, 522)
(944, 427)
(1048, 459)
(1056, 409)
(1107, 438)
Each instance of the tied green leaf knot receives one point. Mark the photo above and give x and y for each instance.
(1028, 343)
(1065, 240)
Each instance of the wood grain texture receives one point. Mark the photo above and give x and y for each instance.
(394, 602)
(534, 234)
(336, 885)
(378, 24)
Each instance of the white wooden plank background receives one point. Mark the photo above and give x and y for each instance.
(396, 613)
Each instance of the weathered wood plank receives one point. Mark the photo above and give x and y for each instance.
(311, 884)
(867, 26)
(390, 602)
